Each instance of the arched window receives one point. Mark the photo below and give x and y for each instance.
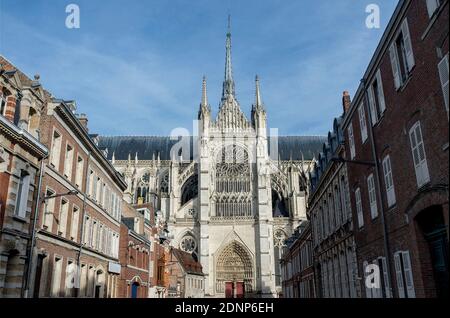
(143, 189)
(164, 185)
(189, 190)
(279, 205)
(233, 184)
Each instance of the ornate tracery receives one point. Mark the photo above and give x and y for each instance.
(232, 183)
(143, 189)
(234, 264)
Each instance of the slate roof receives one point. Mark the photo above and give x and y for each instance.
(146, 146)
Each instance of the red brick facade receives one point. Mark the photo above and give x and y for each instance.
(415, 210)
(76, 251)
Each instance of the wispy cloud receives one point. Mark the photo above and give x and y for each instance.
(138, 71)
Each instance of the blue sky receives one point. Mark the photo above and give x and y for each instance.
(135, 67)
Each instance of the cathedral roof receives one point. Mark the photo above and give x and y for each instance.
(145, 146)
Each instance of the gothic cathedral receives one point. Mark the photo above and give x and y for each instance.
(231, 201)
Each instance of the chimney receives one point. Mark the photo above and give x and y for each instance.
(84, 121)
(346, 101)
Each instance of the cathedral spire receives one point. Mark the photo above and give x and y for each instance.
(258, 101)
(204, 93)
(228, 83)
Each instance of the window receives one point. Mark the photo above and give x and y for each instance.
(98, 190)
(70, 280)
(344, 192)
(419, 156)
(23, 192)
(74, 223)
(79, 172)
(372, 196)
(386, 288)
(94, 234)
(362, 122)
(351, 141)
(443, 75)
(337, 206)
(389, 181)
(432, 6)
(62, 222)
(56, 279)
(56, 149)
(2, 105)
(68, 162)
(377, 104)
(49, 210)
(401, 55)
(359, 209)
(87, 231)
(91, 183)
(404, 277)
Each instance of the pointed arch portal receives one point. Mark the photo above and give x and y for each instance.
(234, 268)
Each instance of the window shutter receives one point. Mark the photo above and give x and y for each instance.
(443, 75)
(23, 204)
(432, 5)
(399, 275)
(408, 45)
(362, 122)
(388, 180)
(359, 209)
(380, 92)
(351, 141)
(408, 275)
(372, 106)
(372, 197)
(395, 66)
(387, 285)
(419, 157)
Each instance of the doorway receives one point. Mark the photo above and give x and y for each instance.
(234, 290)
(134, 290)
(431, 222)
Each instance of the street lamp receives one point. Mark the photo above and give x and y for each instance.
(358, 162)
(71, 192)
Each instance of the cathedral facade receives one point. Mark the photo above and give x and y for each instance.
(230, 195)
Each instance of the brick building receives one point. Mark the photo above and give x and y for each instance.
(21, 102)
(79, 216)
(183, 276)
(398, 124)
(330, 214)
(134, 254)
(297, 265)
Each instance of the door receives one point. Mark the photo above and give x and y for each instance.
(229, 289)
(439, 257)
(134, 290)
(97, 291)
(38, 275)
(240, 290)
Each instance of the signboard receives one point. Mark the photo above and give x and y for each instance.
(114, 268)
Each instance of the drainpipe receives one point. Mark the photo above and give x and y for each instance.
(378, 187)
(25, 292)
(82, 225)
